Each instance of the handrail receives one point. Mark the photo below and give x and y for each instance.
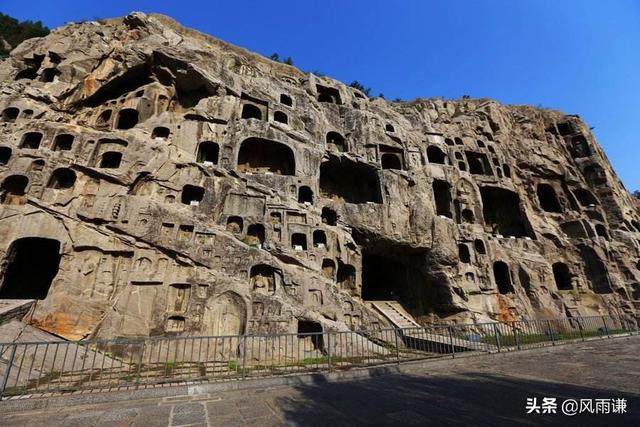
(32, 368)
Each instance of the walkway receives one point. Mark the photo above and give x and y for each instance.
(488, 391)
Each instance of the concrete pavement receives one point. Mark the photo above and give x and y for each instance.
(488, 390)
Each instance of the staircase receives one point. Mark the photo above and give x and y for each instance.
(418, 337)
(396, 314)
(11, 309)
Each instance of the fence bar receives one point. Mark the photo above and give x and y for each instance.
(38, 367)
(5, 377)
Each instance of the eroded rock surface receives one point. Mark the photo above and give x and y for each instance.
(158, 181)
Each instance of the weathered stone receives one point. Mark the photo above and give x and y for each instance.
(157, 181)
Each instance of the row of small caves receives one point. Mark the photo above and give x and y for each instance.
(271, 157)
(384, 276)
(350, 181)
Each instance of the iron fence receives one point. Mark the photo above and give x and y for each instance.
(36, 368)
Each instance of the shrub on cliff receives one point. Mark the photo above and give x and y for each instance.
(13, 32)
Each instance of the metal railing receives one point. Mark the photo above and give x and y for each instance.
(36, 368)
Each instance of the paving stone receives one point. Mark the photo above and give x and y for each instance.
(258, 409)
(153, 416)
(484, 391)
(227, 421)
(188, 413)
(222, 408)
(119, 414)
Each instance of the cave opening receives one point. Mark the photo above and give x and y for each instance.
(13, 189)
(192, 195)
(127, 118)
(286, 100)
(501, 209)
(10, 114)
(562, 276)
(31, 140)
(63, 142)
(585, 197)
(250, 111)
(207, 152)
(255, 234)
(336, 142)
(280, 117)
(384, 279)
(329, 95)
(595, 270)
(391, 158)
(111, 160)
(259, 155)
(329, 216)
(396, 273)
(548, 198)
(5, 155)
(442, 197)
(62, 178)
(502, 276)
(311, 331)
(350, 181)
(299, 241)
(463, 253)
(160, 132)
(436, 155)
(320, 239)
(478, 163)
(579, 147)
(305, 195)
(30, 266)
(390, 161)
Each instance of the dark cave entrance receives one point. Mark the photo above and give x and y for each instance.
(502, 211)
(350, 181)
(29, 268)
(383, 279)
(259, 155)
(396, 273)
(595, 270)
(312, 331)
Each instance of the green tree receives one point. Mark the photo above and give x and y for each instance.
(14, 32)
(357, 85)
(275, 57)
(636, 194)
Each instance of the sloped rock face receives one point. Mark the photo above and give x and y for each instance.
(158, 181)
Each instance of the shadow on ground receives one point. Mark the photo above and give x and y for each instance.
(461, 399)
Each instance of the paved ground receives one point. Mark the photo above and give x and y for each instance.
(487, 391)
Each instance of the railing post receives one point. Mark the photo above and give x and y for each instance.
(329, 350)
(495, 332)
(140, 364)
(606, 329)
(515, 334)
(244, 356)
(553, 340)
(5, 378)
(580, 329)
(453, 349)
(396, 331)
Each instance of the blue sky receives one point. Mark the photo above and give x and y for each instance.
(578, 56)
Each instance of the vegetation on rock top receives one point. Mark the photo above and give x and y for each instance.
(13, 32)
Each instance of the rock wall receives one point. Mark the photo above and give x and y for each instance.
(158, 181)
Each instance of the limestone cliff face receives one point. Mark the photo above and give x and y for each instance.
(158, 181)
